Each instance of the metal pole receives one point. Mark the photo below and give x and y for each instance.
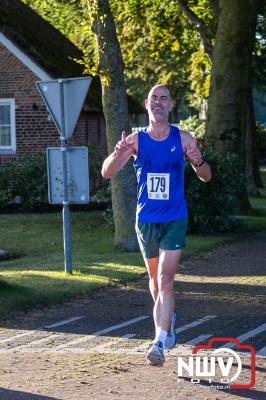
(66, 212)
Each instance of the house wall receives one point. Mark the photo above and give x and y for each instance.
(35, 131)
(90, 129)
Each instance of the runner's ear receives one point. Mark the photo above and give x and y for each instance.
(146, 104)
(171, 105)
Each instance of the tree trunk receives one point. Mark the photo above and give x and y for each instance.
(256, 166)
(230, 81)
(115, 108)
(252, 164)
(253, 178)
(250, 136)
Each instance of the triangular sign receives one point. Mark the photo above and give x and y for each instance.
(72, 98)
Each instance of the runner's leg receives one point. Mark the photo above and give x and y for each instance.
(152, 268)
(164, 305)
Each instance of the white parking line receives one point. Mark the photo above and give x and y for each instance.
(28, 333)
(178, 330)
(102, 347)
(246, 336)
(194, 323)
(186, 348)
(84, 339)
(34, 342)
(19, 335)
(261, 352)
(64, 322)
(198, 339)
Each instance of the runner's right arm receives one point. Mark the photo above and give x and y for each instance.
(123, 150)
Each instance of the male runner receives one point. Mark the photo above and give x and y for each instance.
(161, 216)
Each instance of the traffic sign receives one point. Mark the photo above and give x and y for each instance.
(72, 97)
(77, 175)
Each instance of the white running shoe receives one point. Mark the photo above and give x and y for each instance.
(171, 337)
(155, 355)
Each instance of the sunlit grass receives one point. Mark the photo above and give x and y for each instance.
(241, 280)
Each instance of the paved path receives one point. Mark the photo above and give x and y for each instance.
(95, 348)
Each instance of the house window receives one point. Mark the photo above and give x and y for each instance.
(7, 126)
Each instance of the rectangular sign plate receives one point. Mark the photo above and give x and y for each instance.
(77, 175)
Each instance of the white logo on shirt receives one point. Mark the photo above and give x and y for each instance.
(173, 148)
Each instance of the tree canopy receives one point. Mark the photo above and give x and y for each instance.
(169, 41)
(158, 42)
(190, 45)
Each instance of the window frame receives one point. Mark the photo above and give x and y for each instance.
(12, 148)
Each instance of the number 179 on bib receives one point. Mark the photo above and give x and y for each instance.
(158, 186)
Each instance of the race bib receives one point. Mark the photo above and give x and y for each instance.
(158, 186)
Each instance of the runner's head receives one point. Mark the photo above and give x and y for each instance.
(159, 103)
(159, 86)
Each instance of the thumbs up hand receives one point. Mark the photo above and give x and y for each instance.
(124, 146)
(193, 153)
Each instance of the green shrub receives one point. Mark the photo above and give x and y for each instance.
(211, 205)
(261, 142)
(5, 192)
(194, 125)
(24, 184)
(108, 218)
(30, 182)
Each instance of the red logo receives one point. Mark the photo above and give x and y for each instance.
(238, 346)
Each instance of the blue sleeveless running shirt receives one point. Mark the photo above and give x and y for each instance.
(159, 168)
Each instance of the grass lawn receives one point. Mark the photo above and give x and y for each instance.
(35, 275)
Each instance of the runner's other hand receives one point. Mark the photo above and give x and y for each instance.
(193, 153)
(123, 146)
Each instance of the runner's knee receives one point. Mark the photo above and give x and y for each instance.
(165, 283)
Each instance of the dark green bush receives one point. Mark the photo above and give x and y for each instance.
(211, 205)
(5, 191)
(30, 182)
(108, 218)
(24, 184)
(194, 125)
(261, 143)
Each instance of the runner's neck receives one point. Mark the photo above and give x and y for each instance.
(158, 131)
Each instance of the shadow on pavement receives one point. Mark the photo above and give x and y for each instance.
(243, 258)
(7, 394)
(115, 305)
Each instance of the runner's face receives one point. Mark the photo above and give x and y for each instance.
(158, 104)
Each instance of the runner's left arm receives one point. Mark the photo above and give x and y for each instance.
(193, 154)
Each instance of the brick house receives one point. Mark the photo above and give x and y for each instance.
(31, 50)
